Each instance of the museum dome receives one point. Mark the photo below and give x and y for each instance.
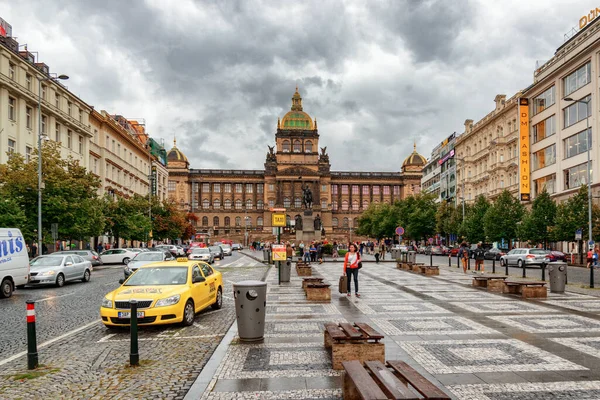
(175, 154)
(414, 159)
(296, 118)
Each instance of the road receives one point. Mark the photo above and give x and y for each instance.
(62, 310)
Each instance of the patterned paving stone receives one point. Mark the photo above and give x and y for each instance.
(502, 307)
(464, 294)
(579, 390)
(484, 355)
(591, 306)
(297, 327)
(404, 308)
(442, 325)
(321, 394)
(587, 345)
(436, 287)
(550, 323)
(293, 310)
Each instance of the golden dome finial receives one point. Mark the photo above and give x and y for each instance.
(415, 146)
(278, 123)
(174, 141)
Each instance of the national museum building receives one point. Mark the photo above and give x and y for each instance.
(232, 203)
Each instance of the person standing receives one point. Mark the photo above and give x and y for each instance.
(479, 257)
(34, 249)
(351, 261)
(382, 250)
(334, 251)
(313, 252)
(289, 252)
(463, 252)
(590, 257)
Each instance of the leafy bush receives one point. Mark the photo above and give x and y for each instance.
(328, 249)
(342, 253)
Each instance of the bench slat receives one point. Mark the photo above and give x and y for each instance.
(365, 385)
(334, 331)
(526, 283)
(372, 333)
(418, 381)
(351, 332)
(390, 384)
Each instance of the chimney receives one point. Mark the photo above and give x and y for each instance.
(468, 125)
(500, 99)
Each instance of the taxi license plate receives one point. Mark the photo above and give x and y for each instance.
(127, 314)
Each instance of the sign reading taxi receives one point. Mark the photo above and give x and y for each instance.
(278, 251)
(524, 150)
(278, 219)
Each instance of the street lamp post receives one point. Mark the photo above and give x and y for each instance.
(49, 78)
(589, 177)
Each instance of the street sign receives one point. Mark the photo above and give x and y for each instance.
(278, 252)
(278, 219)
(591, 243)
(578, 234)
(399, 231)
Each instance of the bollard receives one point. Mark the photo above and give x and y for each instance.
(543, 271)
(524, 275)
(457, 261)
(449, 261)
(506, 266)
(494, 265)
(32, 353)
(431, 259)
(592, 276)
(134, 357)
(469, 263)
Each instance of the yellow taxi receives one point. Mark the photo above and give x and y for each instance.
(166, 292)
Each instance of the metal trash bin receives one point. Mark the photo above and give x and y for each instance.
(404, 257)
(267, 255)
(412, 256)
(250, 309)
(558, 276)
(286, 271)
(395, 253)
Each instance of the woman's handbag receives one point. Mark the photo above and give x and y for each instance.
(359, 264)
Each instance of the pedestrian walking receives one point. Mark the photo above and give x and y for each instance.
(590, 257)
(289, 252)
(463, 253)
(479, 257)
(351, 266)
(313, 252)
(334, 251)
(382, 250)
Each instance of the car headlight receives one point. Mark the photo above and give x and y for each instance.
(169, 301)
(106, 303)
(47, 273)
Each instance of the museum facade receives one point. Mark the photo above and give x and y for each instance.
(237, 204)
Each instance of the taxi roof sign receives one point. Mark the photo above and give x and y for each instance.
(182, 259)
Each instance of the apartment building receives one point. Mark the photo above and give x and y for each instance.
(430, 183)
(64, 118)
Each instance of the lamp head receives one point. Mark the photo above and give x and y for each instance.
(569, 99)
(63, 77)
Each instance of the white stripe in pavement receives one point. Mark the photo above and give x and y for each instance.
(164, 338)
(55, 297)
(49, 342)
(105, 338)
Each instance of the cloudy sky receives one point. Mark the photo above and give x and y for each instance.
(216, 75)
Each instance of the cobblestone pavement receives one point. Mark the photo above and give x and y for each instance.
(94, 363)
(473, 344)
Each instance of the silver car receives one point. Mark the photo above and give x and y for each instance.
(227, 250)
(58, 269)
(202, 254)
(89, 255)
(520, 257)
(145, 258)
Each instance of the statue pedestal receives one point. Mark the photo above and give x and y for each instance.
(308, 233)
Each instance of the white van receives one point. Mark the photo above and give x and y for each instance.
(14, 261)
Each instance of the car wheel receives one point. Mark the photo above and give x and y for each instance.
(520, 263)
(126, 260)
(86, 276)
(502, 262)
(188, 313)
(219, 300)
(60, 280)
(6, 289)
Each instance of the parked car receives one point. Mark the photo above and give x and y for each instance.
(145, 258)
(202, 254)
(435, 250)
(217, 252)
(520, 257)
(556, 256)
(89, 255)
(227, 251)
(236, 246)
(454, 251)
(169, 247)
(14, 261)
(493, 254)
(117, 256)
(58, 269)
(180, 251)
(421, 249)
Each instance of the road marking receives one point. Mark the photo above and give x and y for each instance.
(55, 297)
(105, 338)
(162, 338)
(49, 342)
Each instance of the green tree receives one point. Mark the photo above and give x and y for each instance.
(502, 218)
(473, 226)
(456, 224)
(442, 218)
(378, 221)
(11, 214)
(167, 221)
(572, 215)
(127, 218)
(417, 216)
(537, 224)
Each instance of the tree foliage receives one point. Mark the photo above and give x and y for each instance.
(474, 220)
(538, 223)
(502, 218)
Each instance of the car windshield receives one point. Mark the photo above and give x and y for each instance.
(215, 248)
(225, 246)
(538, 251)
(148, 257)
(200, 251)
(158, 276)
(46, 261)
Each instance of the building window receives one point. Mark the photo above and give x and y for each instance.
(69, 107)
(375, 189)
(238, 221)
(355, 206)
(57, 133)
(271, 187)
(334, 205)
(238, 188)
(227, 187)
(271, 203)
(576, 176)
(285, 146)
(215, 221)
(259, 221)
(80, 144)
(249, 188)
(217, 187)
(260, 188)
(206, 188)
(324, 204)
(227, 221)
(365, 204)
(544, 129)
(12, 146)
(344, 189)
(96, 166)
(57, 100)
(172, 186)
(345, 205)
(355, 189)
(365, 190)
(205, 202)
(238, 204)
(217, 204)
(248, 204)
(44, 119)
(44, 92)
(297, 146)
(386, 189)
(298, 202)
(69, 139)
(334, 189)
(12, 102)
(28, 151)
(11, 71)
(577, 79)
(28, 111)
(547, 183)
(578, 143)
(227, 204)
(334, 222)
(28, 81)
(260, 204)
(80, 115)
(544, 157)
(286, 202)
(577, 111)
(323, 188)
(345, 222)
(204, 221)
(544, 100)
(308, 146)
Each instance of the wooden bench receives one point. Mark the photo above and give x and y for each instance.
(395, 380)
(318, 291)
(353, 342)
(307, 281)
(429, 269)
(527, 289)
(493, 283)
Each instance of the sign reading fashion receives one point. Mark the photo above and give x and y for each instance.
(524, 149)
(154, 178)
(586, 19)
(446, 157)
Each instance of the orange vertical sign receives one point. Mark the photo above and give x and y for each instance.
(524, 151)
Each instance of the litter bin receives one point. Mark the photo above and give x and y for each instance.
(286, 270)
(267, 255)
(404, 257)
(558, 276)
(250, 308)
(412, 256)
(395, 253)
